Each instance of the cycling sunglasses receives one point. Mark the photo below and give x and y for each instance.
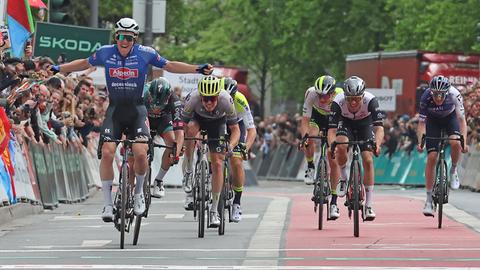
(439, 95)
(207, 99)
(129, 38)
(357, 99)
(324, 96)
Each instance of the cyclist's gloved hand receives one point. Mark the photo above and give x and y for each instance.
(243, 150)
(205, 69)
(54, 69)
(303, 143)
(175, 160)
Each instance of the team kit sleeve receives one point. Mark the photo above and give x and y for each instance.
(458, 100)
(377, 114)
(156, 59)
(335, 116)
(176, 105)
(423, 106)
(307, 105)
(230, 112)
(188, 109)
(98, 57)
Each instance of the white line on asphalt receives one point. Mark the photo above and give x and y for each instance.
(174, 216)
(95, 243)
(97, 217)
(182, 267)
(268, 236)
(34, 249)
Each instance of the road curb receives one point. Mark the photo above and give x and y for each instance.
(19, 210)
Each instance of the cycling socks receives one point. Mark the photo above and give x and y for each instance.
(107, 191)
(139, 183)
(161, 174)
(369, 199)
(238, 194)
(429, 195)
(453, 169)
(215, 198)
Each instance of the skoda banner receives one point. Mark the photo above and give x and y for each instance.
(74, 42)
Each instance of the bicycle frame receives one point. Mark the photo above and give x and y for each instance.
(440, 190)
(355, 188)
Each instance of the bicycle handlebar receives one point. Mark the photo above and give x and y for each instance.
(461, 139)
(304, 141)
(349, 143)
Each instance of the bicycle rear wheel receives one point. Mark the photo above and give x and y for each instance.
(442, 186)
(355, 177)
(321, 179)
(148, 198)
(202, 201)
(123, 204)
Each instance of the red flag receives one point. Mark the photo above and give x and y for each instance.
(4, 130)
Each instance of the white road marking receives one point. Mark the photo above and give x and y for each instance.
(267, 238)
(183, 267)
(95, 243)
(174, 216)
(97, 217)
(263, 251)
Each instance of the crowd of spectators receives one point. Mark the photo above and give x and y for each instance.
(44, 108)
(400, 129)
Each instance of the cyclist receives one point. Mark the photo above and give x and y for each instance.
(164, 110)
(441, 107)
(316, 110)
(356, 116)
(126, 65)
(248, 132)
(210, 109)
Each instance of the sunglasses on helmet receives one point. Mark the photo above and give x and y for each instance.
(207, 99)
(357, 99)
(129, 38)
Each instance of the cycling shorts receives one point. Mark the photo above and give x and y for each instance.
(161, 124)
(216, 129)
(434, 126)
(125, 118)
(319, 121)
(243, 137)
(356, 132)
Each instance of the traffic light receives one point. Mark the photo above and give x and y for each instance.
(57, 11)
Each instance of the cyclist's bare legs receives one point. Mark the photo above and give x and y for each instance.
(192, 130)
(341, 155)
(368, 176)
(310, 150)
(455, 152)
(334, 172)
(167, 161)
(430, 170)
(236, 164)
(106, 175)
(106, 170)
(141, 165)
(217, 178)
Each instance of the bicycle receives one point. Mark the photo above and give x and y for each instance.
(321, 189)
(123, 200)
(148, 183)
(440, 188)
(202, 186)
(355, 189)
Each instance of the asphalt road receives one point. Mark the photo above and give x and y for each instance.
(278, 231)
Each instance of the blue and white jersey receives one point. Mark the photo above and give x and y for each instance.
(126, 76)
(453, 102)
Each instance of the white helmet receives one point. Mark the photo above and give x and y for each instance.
(354, 86)
(128, 25)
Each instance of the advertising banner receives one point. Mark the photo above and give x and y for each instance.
(68, 41)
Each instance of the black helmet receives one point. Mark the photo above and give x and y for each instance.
(159, 86)
(439, 83)
(230, 85)
(354, 86)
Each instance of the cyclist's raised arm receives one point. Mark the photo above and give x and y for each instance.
(180, 67)
(75, 65)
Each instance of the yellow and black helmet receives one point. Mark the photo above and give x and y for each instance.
(209, 86)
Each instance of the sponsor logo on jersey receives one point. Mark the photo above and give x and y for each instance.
(123, 73)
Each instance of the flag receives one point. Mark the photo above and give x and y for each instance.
(20, 24)
(4, 130)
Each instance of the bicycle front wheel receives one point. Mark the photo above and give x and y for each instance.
(321, 180)
(222, 201)
(123, 204)
(355, 178)
(441, 189)
(202, 199)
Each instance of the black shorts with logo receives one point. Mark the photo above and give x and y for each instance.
(129, 118)
(161, 124)
(216, 129)
(357, 131)
(434, 126)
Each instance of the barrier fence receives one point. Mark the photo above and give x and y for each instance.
(285, 162)
(46, 175)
